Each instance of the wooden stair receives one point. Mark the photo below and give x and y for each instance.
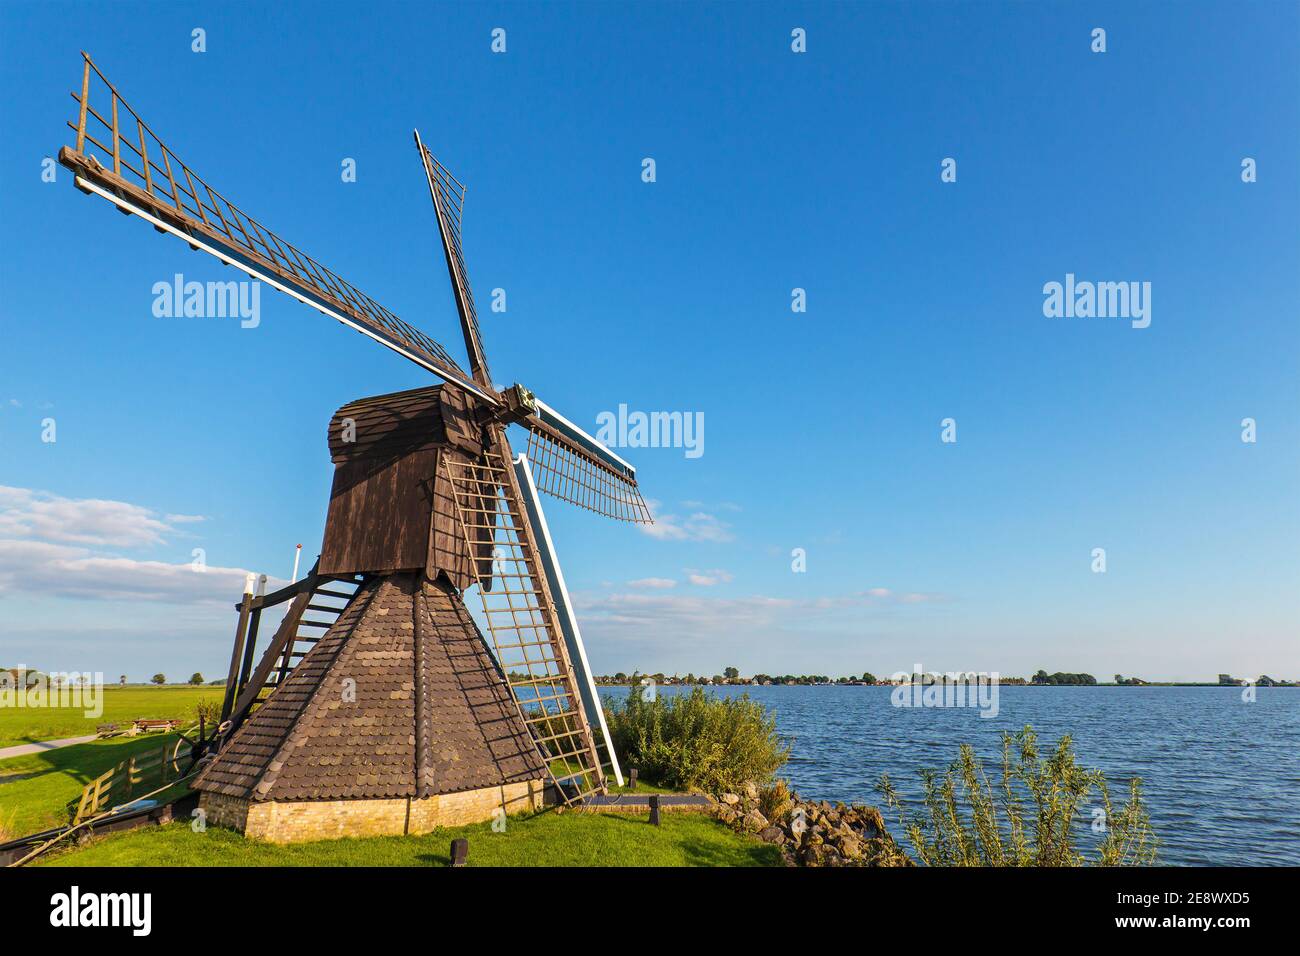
(319, 609)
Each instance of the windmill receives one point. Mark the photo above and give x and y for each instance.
(379, 705)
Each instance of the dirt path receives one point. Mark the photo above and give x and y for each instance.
(22, 750)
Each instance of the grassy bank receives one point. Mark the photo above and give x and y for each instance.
(35, 789)
(21, 725)
(545, 839)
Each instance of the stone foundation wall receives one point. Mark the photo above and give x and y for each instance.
(300, 821)
(223, 811)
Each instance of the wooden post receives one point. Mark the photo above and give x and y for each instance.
(144, 157)
(85, 101)
(631, 779)
(236, 656)
(117, 140)
(654, 809)
(459, 851)
(250, 645)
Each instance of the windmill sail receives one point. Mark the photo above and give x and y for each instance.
(147, 179)
(448, 196)
(578, 473)
(522, 621)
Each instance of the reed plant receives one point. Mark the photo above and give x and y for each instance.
(1033, 815)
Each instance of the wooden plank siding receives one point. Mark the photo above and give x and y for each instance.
(390, 508)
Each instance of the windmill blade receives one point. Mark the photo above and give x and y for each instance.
(448, 196)
(573, 466)
(175, 200)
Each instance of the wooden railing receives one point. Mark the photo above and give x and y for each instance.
(140, 774)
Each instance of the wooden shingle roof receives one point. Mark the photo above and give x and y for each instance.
(431, 714)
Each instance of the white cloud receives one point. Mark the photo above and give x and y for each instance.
(38, 567)
(657, 583)
(707, 579)
(688, 621)
(30, 514)
(184, 519)
(697, 526)
(70, 547)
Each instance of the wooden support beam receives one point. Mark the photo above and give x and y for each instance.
(236, 656)
(281, 646)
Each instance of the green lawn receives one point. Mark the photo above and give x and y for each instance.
(545, 839)
(35, 789)
(20, 725)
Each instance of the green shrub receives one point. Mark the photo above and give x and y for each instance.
(1031, 818)
(697, 741)
(209, 711)
(775, 801)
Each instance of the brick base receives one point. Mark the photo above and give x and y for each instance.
(300, 821)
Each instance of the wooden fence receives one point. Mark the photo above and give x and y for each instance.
(140, 774)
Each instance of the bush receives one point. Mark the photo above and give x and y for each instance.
(209, 712)
(697, 741)
(775, 801)
(969, 822)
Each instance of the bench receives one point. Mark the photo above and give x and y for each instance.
(149, 725)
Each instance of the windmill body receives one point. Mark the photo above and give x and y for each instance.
(379, 705)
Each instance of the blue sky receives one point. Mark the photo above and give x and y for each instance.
(775, 170)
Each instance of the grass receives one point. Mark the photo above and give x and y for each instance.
(35, 789)
(21, 725)
(545, 839)
(641, 787)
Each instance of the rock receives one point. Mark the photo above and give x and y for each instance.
(730, 799)
(851, 847)
(750, 790)
(872, 821)
(754, 821)
(772, 835)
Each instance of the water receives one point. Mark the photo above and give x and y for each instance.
(1221, 777)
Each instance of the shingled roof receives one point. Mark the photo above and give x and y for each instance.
(432, 714)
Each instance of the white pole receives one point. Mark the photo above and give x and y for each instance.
(297, 553)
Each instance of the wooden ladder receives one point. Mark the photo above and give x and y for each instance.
(522, 625)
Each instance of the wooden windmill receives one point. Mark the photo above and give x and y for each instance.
(378, 705)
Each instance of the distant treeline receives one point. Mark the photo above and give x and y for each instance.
(1042, 677)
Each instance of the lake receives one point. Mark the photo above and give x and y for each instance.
(1221, 777)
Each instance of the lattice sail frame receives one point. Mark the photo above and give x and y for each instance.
(449, 204)
(171, 194)
(564, 472)
(522, 625)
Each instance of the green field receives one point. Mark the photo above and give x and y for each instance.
(35, 789)
(21, 725)
(545, 839)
